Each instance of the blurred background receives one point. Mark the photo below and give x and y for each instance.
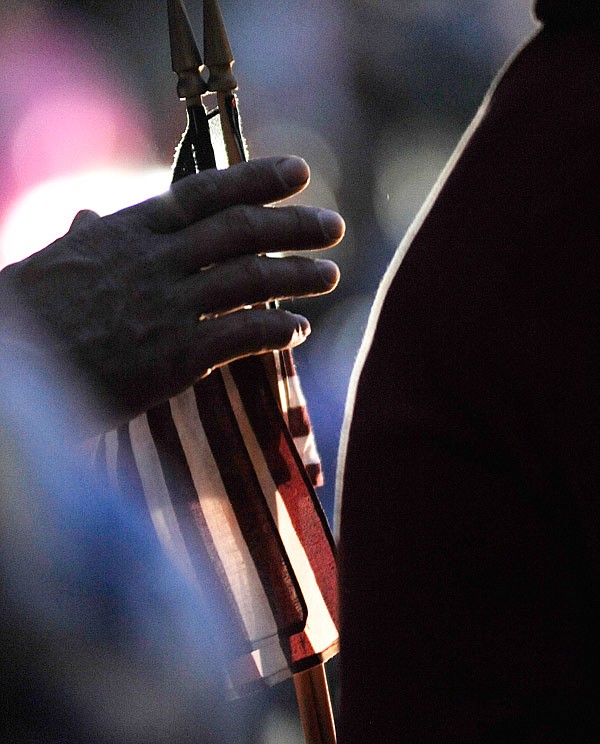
(374, 94)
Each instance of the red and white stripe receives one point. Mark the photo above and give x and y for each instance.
(231, 501)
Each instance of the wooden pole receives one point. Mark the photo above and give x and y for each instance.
(312, 691)
(314, 704)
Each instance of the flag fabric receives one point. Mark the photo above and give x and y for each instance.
(295, 413)
(224, 470)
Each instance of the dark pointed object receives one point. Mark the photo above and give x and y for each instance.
(218, 56)
(194, 152)
(185, 57)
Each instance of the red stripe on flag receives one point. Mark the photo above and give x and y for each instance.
(298, 421)
(289, 474)
(248, 502)
(196, 535)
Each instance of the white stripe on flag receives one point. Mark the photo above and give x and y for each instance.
(228, 540)
(270, 661)
(295, 393)
(307, 449)
(320, 628)
(157, 495)
(281, 384)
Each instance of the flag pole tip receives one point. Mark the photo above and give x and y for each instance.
(218, 56)
(185, 57)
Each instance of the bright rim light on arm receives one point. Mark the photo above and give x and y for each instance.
(45, 213)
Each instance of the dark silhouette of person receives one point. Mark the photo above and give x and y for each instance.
(470, 473)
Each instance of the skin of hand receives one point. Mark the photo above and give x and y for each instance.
(148, 300)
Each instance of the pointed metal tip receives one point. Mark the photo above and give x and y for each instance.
(218, 56)
(184, 50)
(185, 57)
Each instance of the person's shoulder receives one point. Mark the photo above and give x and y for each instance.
(563, 13)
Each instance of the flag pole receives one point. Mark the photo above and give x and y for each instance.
(312, 691)
(314, 704)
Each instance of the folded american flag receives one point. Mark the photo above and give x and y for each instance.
(230, 498)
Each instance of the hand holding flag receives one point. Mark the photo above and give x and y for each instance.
(223, 467)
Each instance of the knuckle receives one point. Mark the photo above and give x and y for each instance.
(277, 329)
(302, 231)
(163, 211)
(256, 274)
(183, 196)
(260, 329)
(253, 170)
(246, 221)
(298, 221)
(257, 329)
(206, 186)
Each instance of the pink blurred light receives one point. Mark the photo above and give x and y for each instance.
(69, 132)
(63, 110)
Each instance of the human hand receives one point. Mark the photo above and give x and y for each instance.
(151, 298)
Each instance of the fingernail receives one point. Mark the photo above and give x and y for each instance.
(328, 271)
(294, 171)
(304, 325)
(332, 224)
(302, 331)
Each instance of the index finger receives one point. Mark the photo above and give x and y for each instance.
(260, 181)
